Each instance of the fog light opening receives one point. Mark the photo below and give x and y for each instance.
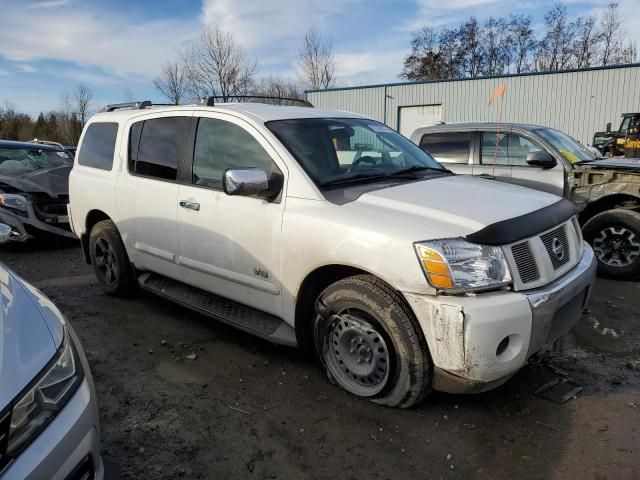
(502, 346)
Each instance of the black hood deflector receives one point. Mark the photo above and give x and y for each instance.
(524, 226)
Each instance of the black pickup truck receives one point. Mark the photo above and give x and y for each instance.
(613, 143)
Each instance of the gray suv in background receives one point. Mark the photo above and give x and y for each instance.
(48, 412)
(606, 191)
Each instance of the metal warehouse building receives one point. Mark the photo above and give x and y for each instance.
(578, 102)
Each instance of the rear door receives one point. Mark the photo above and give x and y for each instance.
(230, 245)
(453, 149)
(147, 191)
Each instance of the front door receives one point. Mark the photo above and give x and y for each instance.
(230, 245)
(509, 151)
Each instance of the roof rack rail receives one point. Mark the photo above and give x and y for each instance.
(132, 105)
(210, 101)
(47, 142)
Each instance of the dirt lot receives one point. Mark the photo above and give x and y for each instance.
(247, 409)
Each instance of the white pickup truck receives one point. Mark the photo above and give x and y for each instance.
(328, 230)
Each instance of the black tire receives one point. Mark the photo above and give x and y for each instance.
(110, 260)
(378, 320)
(615, 238)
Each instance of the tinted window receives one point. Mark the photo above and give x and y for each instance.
(222, 145)
(98, 145)
(447, 147)
(506, 149)
(160, 147)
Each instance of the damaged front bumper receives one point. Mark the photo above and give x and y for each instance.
(479, 341)
(27, 224)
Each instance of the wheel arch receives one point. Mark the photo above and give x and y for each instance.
(609, 202)
(312, 286)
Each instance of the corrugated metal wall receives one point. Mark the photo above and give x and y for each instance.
(577, 102)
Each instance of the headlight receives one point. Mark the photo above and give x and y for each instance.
(37, 407)
(14, 202)
(455, 264)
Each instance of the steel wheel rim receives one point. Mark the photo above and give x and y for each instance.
(616, 247)
(356, 353)
(106, 262)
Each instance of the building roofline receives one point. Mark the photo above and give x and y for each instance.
(491, 77)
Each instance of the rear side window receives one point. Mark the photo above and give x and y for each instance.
(98, 145)
(221, 145)
(447, 147)
(156, 147)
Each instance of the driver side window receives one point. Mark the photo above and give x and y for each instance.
(222, 145)
(506, 149)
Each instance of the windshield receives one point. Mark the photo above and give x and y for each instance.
(567, 146)
(24, 160)
(349, 150)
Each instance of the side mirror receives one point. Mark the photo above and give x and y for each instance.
(609, 127)
(248, 182)
(5, 233)
(540, 158)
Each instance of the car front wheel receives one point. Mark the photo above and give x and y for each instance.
(615, 238)
(370, 343)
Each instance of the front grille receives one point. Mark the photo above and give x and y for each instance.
(566, 317)
(556, 241)
(525, 262)
(5, 422)
(50, 208)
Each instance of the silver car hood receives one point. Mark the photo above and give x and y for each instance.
(31, 332)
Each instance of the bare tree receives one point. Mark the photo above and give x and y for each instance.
(555, 50)
(471, 49)
(523, 41)
(315, 61)
(278, 87)
(586, 41)
(216, 64)
(172, 82)
(496, 41)
(81, 98)
(609, 32)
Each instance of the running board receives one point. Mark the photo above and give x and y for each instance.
(227, 311)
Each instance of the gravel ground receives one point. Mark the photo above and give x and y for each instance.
(183, 396)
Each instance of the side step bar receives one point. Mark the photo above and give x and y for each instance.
(232, 313)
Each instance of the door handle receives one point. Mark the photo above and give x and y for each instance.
(190, 205)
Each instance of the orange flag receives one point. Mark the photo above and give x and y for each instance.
(498, 92)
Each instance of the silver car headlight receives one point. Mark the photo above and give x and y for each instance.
(457, 265)
(13, 201)
(33, 411)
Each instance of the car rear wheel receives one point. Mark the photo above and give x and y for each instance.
(110, 261)
(615, 238)
(370, 343)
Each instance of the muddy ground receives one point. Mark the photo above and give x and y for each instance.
(245, 408)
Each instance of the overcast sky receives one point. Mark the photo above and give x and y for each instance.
(118, 46)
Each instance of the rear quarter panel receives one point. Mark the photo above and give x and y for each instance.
(91, 188)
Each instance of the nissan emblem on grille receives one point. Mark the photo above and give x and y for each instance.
(557, 248)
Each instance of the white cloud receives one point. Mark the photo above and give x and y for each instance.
(259, 23)
(369, 67)
(26, 68)
(118, 44)
(49, 4)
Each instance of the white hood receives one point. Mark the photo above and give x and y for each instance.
(450, 206)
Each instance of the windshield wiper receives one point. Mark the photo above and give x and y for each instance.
(353, 179)
(419, 168)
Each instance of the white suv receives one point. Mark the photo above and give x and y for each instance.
(329, 230)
